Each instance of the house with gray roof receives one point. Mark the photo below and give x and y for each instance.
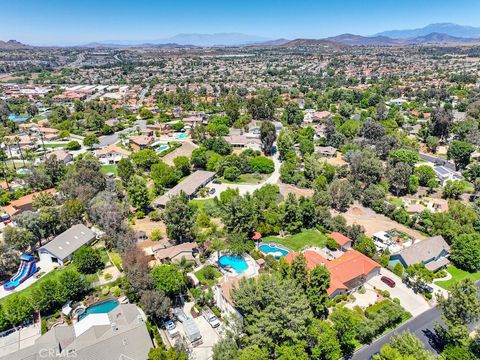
(62, 247)
(119, 334)
(190, 185)
(432, 252)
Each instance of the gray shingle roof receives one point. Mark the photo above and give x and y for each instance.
(69, 241)
(189, 186)
(424, 250)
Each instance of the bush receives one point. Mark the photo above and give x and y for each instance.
(107, 276)
(398, 269)
(139, 214)
(331, 244)
(262, 165)
(216, 311)
(156, 235)
(155, 215)
(231, 173)
(105, 291)
(73, 145)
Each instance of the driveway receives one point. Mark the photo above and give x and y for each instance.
(413, 303)
(209, 336)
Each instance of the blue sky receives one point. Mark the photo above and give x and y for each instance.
(80, 21)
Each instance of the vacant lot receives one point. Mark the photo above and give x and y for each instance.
(373, 222)
(185, 150)
(298, 241)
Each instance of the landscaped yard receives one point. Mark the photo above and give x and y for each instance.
(298, 241)
(457, 275)
(208, 275)
(109, 169)
(248, 179)
(56, 145)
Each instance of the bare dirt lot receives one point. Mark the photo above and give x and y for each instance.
(185, 150)
(373, 222)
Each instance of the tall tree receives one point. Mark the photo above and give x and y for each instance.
(267, 136)
(179, 217)
(318, 283)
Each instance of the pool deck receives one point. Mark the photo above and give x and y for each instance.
(251, 271)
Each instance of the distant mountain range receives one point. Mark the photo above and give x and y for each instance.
(442, 33)
(13, 44)
(381, 40)
(455, 30)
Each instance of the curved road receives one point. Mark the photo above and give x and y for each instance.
(422, 326)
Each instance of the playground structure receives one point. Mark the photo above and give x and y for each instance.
(27, 268)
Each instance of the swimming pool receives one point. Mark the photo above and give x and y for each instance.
(237, 263)
(101, 307)
(162, 148)
(272, 249)
(182, 136)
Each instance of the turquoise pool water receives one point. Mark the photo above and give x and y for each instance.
(18, 118)
(182, 136)
(162, 148)
(237, 263)
(100, 308)
(271, 249)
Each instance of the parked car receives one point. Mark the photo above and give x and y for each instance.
(170, 327)
(180, 315)
(388, 281)
(210, 317)
(212, 191)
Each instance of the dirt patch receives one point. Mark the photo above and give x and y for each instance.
(286, 189)
(373, 222)
(148, 226)
(336, 160)
(185, 150)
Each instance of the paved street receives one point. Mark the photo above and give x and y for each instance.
(422, 326)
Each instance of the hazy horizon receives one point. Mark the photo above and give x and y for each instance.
(55, 22)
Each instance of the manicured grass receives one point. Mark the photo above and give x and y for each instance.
(200, 274)
(109, 169)
(52, 275)
(200, 203)
(298, 241)
(247, 178)
(56, 145)
(457, 275)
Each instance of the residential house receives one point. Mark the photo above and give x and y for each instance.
(244, 141)
(190, 185)
(444, 174)
(25, 202)
(61, 155)
(343, 242)
(62, 247)
(140, 142)
(326, 151)
(432, 252)
(120, 334)
(222, 296)
(111, 154)
(175, 253)
(347, 272)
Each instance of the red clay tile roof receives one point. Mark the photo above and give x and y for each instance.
(313, 258)
(341, 239)
(256, 236)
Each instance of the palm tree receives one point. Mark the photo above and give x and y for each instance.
(43, 145)
(3, 159)
(17, 141)
(8, 142)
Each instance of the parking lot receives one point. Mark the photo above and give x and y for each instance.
(413, 303)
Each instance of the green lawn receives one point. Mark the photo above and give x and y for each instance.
(56, 145)
(200, 203)
(52, 275)
(298, 241)
(116, 259)
(457, 275)
(214, 275)
(109, 169)
(247, 178)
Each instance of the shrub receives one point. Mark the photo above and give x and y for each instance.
(262, 165)
(105, 291)
(231, 173)
(216, 311)
(155, 215)
(107, 276)
(73, 145)
(156, 235)
(398, 269)
(139, 214)
(331, 244)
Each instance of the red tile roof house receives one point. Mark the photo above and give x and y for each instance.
(347, 273)
(343, 242)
